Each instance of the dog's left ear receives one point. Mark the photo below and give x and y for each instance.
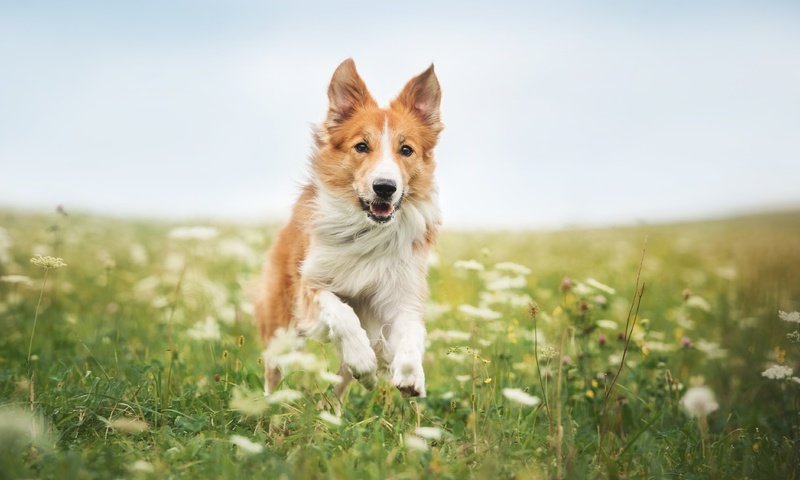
(422, 96)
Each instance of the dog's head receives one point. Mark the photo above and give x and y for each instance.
(379, 157)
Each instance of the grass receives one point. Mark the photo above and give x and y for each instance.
(144, 362)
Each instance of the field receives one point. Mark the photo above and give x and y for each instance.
(138, 358)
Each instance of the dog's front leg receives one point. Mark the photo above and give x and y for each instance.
(337, 322)
(407, 343)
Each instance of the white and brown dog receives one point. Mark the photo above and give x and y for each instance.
(351, 265)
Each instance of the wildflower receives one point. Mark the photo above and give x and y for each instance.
(449, 335)
(777, 372)
(600, 286)
(712, 349)
(283, 341)
(793, 317)
(248, 403)
(506, 283)
(523, 398)
(600, 300)
(47, 262)
(430, 433)
(699, 402)
(548, 353)
(699, 303)
(128, 425)
(21, 428)
(601, 340)
(414, 442)
(513, 268)
(330, 419)
(479, 313)
(142, 466)
(193, 233)
(285, 395)
(607, 324)
(566, 284)
(207, 330)
(246, 445)
(473, 265)
(330, 377)
(463, 378)
(296, 361)
(17, 280)
(686, 342)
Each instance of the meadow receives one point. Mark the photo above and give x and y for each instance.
(547, 358)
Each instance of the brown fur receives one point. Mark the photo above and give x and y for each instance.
(283, 296)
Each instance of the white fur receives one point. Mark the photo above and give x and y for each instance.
(387, 167)
(371, 275)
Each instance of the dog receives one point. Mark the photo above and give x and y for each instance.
(350, 267)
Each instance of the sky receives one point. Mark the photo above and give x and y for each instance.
(556, 113)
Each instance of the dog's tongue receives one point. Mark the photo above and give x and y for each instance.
(381, 209)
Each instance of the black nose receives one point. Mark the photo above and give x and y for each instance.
(384, 188)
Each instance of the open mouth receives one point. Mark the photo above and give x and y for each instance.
(379, 210)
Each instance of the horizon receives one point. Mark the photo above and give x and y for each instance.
(555, 115)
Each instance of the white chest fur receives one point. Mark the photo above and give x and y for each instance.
(368, 263)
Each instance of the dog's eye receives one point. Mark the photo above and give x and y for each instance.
(362, 147)
(406, 151)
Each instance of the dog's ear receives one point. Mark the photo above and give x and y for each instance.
(422, 96)
(347, 92)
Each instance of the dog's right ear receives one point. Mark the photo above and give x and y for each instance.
(347, 92)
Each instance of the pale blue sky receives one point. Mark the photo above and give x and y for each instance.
(557, 113)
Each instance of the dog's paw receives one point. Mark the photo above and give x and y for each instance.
(408, 376)
(361, 361)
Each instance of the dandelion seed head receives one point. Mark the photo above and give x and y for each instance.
(699, 402)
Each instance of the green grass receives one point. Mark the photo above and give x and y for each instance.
(113, 341)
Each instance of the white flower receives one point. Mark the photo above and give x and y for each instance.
(330, 377)
(330, 418)
(433, 259)
(435, 310)
(600, 286)
(193, 233)
(138, 254)
(777, 372)
(414, 442)
(449, 335)
(712, 349)
(513, 268)
(430, 433)
(607, 324)
(246, 445)
(250, 404)
(506, 283)
(17, 279)
(699, 303)
(207, 330)
(141, 466)
(793, 317)
(699, 402)
(523, 398)
(463, 378)
(48, 262)
(469, 265)
(296, 361)
(479, 313)
(283, 341)
(285, 395)
(128, 425)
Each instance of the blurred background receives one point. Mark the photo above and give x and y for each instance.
(557, 114)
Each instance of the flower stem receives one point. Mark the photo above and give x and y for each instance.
(36, 315)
